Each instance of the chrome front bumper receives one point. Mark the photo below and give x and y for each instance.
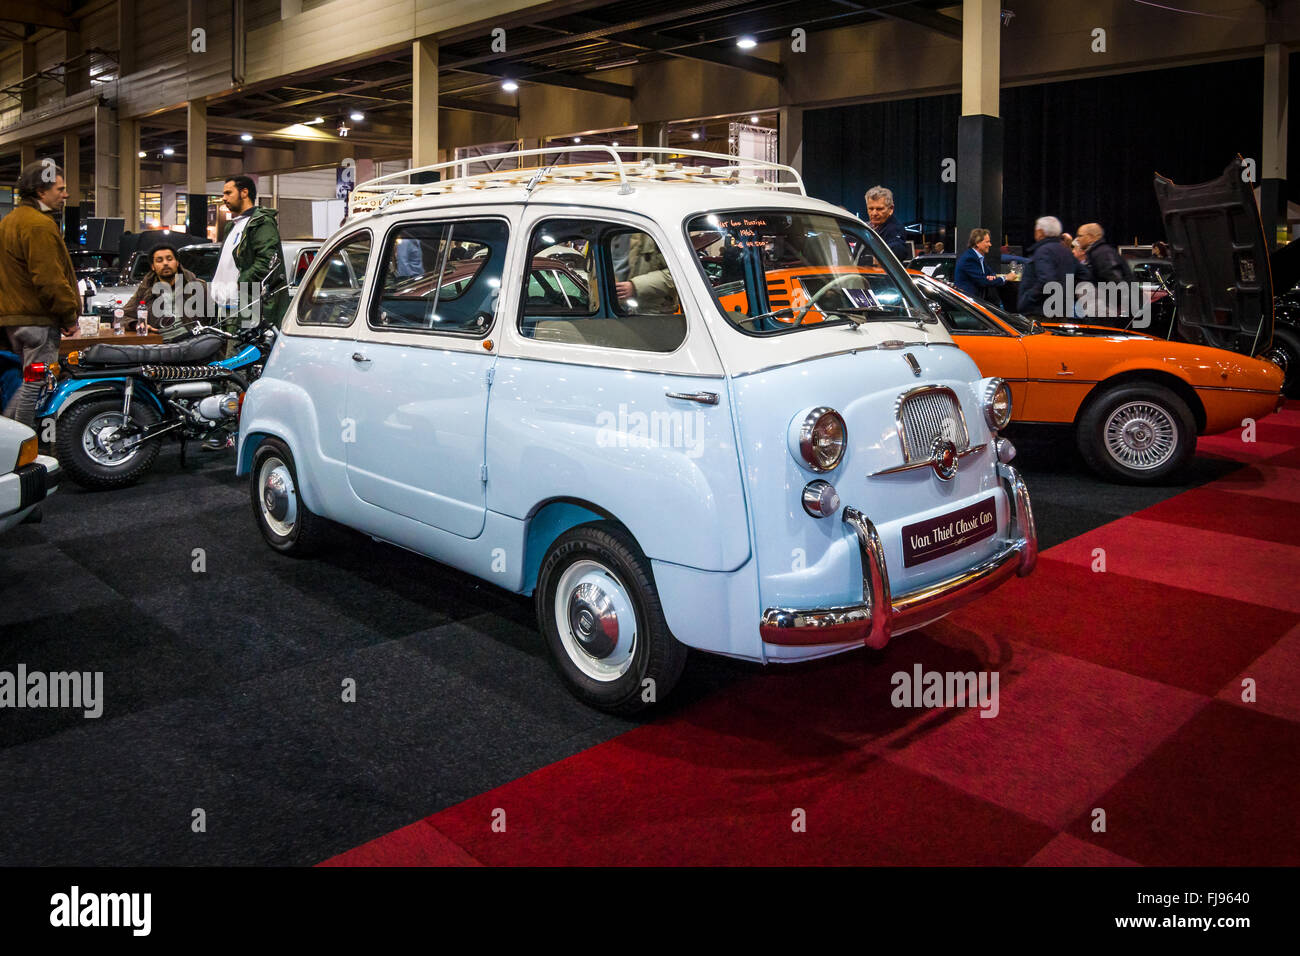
(882, 612)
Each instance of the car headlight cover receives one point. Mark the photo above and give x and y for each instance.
(822, 438)
(996, 400)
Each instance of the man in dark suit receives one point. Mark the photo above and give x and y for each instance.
(1044, 276)
(972, 275)
(880, 213)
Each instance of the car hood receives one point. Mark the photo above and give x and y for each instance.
(1091, 331)
(1220, 256)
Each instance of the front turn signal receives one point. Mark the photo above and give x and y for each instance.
(27, 452)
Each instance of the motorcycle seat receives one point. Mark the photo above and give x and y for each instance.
(195, 351)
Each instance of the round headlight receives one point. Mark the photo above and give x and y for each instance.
(997, 404)
(822, 439)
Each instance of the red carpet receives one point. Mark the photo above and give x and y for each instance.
(1119, 690)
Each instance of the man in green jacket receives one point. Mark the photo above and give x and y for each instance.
(38, 286)
(251, 244)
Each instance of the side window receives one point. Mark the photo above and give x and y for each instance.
(441, 276)
(604, 284)
(332, 294)
(956, 316)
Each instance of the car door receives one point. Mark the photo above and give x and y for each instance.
(418, 388)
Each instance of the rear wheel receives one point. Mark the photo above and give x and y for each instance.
(1139, 434)
(88, 441)
(284, 519)
(599, 611)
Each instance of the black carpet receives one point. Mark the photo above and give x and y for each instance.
(223, 687)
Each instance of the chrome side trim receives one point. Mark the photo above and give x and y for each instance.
(824, 355)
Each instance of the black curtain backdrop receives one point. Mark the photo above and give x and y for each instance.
(1083, 150)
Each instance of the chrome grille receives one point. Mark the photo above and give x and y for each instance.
(927, 414)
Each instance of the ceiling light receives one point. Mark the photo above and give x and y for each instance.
(747, 43)
(318, 120)
(169, 151)
(246, 137)
(577, 139)
(509, 85)
(615, 143)
(357, 117)
(141, 154)
(753, 119)
(695, 135)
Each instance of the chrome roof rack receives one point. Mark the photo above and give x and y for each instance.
(383, 191)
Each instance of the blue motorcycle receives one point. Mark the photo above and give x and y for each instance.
(113, 404)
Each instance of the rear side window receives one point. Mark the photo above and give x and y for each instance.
(603, 284)
(441, 276)
(332, 294)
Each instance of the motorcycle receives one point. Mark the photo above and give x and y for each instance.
(114, 404)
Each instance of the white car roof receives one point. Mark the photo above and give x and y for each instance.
(667, 203)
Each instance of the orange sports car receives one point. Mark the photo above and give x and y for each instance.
(1136, 402)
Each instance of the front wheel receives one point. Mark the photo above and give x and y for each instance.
(1138, 434)
(599, 612)
(1289, 347)
(88, 440)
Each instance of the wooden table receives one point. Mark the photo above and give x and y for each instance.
(72, 343)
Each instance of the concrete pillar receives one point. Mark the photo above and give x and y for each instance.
(123, 157)
(652, 134)
(290, 8)
(196, 173)
(789, 136)
(167, 210)
(72, 177)
(27, 66)
(26, 153)
(1272, 167)
(126, 37)
(424, 102)
(77, 76)
(979, 131)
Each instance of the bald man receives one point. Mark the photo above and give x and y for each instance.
(1104, 260)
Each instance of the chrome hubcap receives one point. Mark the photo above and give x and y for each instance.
(596, 620)
(278, 496)
(99, 437)
(1141, 435)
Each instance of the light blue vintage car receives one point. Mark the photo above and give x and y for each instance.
(682, 405)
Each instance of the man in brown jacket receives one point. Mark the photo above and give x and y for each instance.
(38, 286)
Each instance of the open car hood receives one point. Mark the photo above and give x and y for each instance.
(1216, 241)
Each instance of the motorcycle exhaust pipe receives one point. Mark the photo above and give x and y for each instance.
(189, 390)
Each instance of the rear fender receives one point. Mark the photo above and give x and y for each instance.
(72, 391)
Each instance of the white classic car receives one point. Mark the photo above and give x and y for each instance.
(598, 385)
(28, 476)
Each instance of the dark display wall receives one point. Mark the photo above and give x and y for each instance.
(1083, 150)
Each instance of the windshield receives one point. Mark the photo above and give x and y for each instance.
(775, 271)
(201, 260)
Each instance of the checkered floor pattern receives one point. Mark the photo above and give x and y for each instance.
(1125, 734)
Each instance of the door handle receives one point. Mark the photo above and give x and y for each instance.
(358, 357)
(704, 398)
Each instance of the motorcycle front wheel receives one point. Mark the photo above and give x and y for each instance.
(83, 439)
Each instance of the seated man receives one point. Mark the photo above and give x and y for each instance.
(175, 302)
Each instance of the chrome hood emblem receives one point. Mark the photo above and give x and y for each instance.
(911, 360)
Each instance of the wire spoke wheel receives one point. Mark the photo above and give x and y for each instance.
(1141, 435)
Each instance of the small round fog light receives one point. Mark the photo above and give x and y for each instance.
(820, 499)
(1006, 450)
